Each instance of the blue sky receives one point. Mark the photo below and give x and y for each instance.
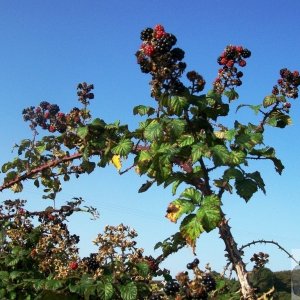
(47, 47)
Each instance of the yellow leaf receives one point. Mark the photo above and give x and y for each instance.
(137, 170)
(172, 212)
(116, 161)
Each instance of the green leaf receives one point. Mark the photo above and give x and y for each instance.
(245, 188)
(212, 95)
(153, 131)
(231, 94)
(123, 148)
(209, 213)
(186, 140)
(41, 148)
(237, 157)
(269, 100)
(143, 110)
(82, 131)
(176, 127)
(191, 194)
(221, 155)
(128, 291)
(6, 167)
(191, 229)
(105, 290)
(143, 269)
(177, 104)
(53, 284)
(258, 179)
(200, 150)
(88, 166)
(145, 186)
(175, 186)
(255, 108)
(98, 123)
(144, 156)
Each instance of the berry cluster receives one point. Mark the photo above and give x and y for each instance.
(193, 264)
(209, 282)
(84, 92)
(158, 57)
(171, 287)
(288, 84)
(198, 83)
(152, 263)
(91, 262)
(49, 117)
(229, 75)
(260, 259)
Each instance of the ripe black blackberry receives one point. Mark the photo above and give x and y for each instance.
(91, 262)
(171, 287)
(230, 54)
(239, 74)
(176, 88)
(146, 34)
(145, 65)
(40, 120)
(246, 53)
(44, 104)
(53, 109)
(177, 54)
(209, 282)
(165, 43)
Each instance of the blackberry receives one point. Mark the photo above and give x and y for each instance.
(53, 109)
(196, 261)
(171, 287)
(177, 54)
(61, 127)
(190, 266)
(230, 54)
(239, 74)
(209, 282)
(246, 53)
(40, 120)
(176, 87)
(165, 44)
(44, 104)
(145, 66)
(146, 34)
(91, 262)
(219, 60)
(238, 82)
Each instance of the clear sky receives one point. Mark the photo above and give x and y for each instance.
(47, 47)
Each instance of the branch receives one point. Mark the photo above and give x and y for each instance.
(270, 242)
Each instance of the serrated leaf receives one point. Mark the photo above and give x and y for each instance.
(175, 186)
(145, 186)
(221, 155)
(200, 150)
(179, 207)
(191, 229)
(88, 166)
(246, 188)
(82, 131)
(176, 127)
(177, 104)
(123, 148)
(105, 290)
(231, 94)
(128, 291)
(143, 110)
(255, 108)
(191, 194)
(53, 284)
(143, 269)
(41, 148)
(98, 123)
(237, 157)
(258, 179)
(269, 100)
(153, 131)
(17, 187)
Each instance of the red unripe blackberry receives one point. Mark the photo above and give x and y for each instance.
(73, 265)
(275, 90)
(52, 128)
(46, 115)
(230, 63)
(224, 61)
(246, 53)
(242, 63)
(296, 73)
(38, 110)
(159, 34)
(159, 28)
(239, 49)
(148, 49)
(146, 34)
